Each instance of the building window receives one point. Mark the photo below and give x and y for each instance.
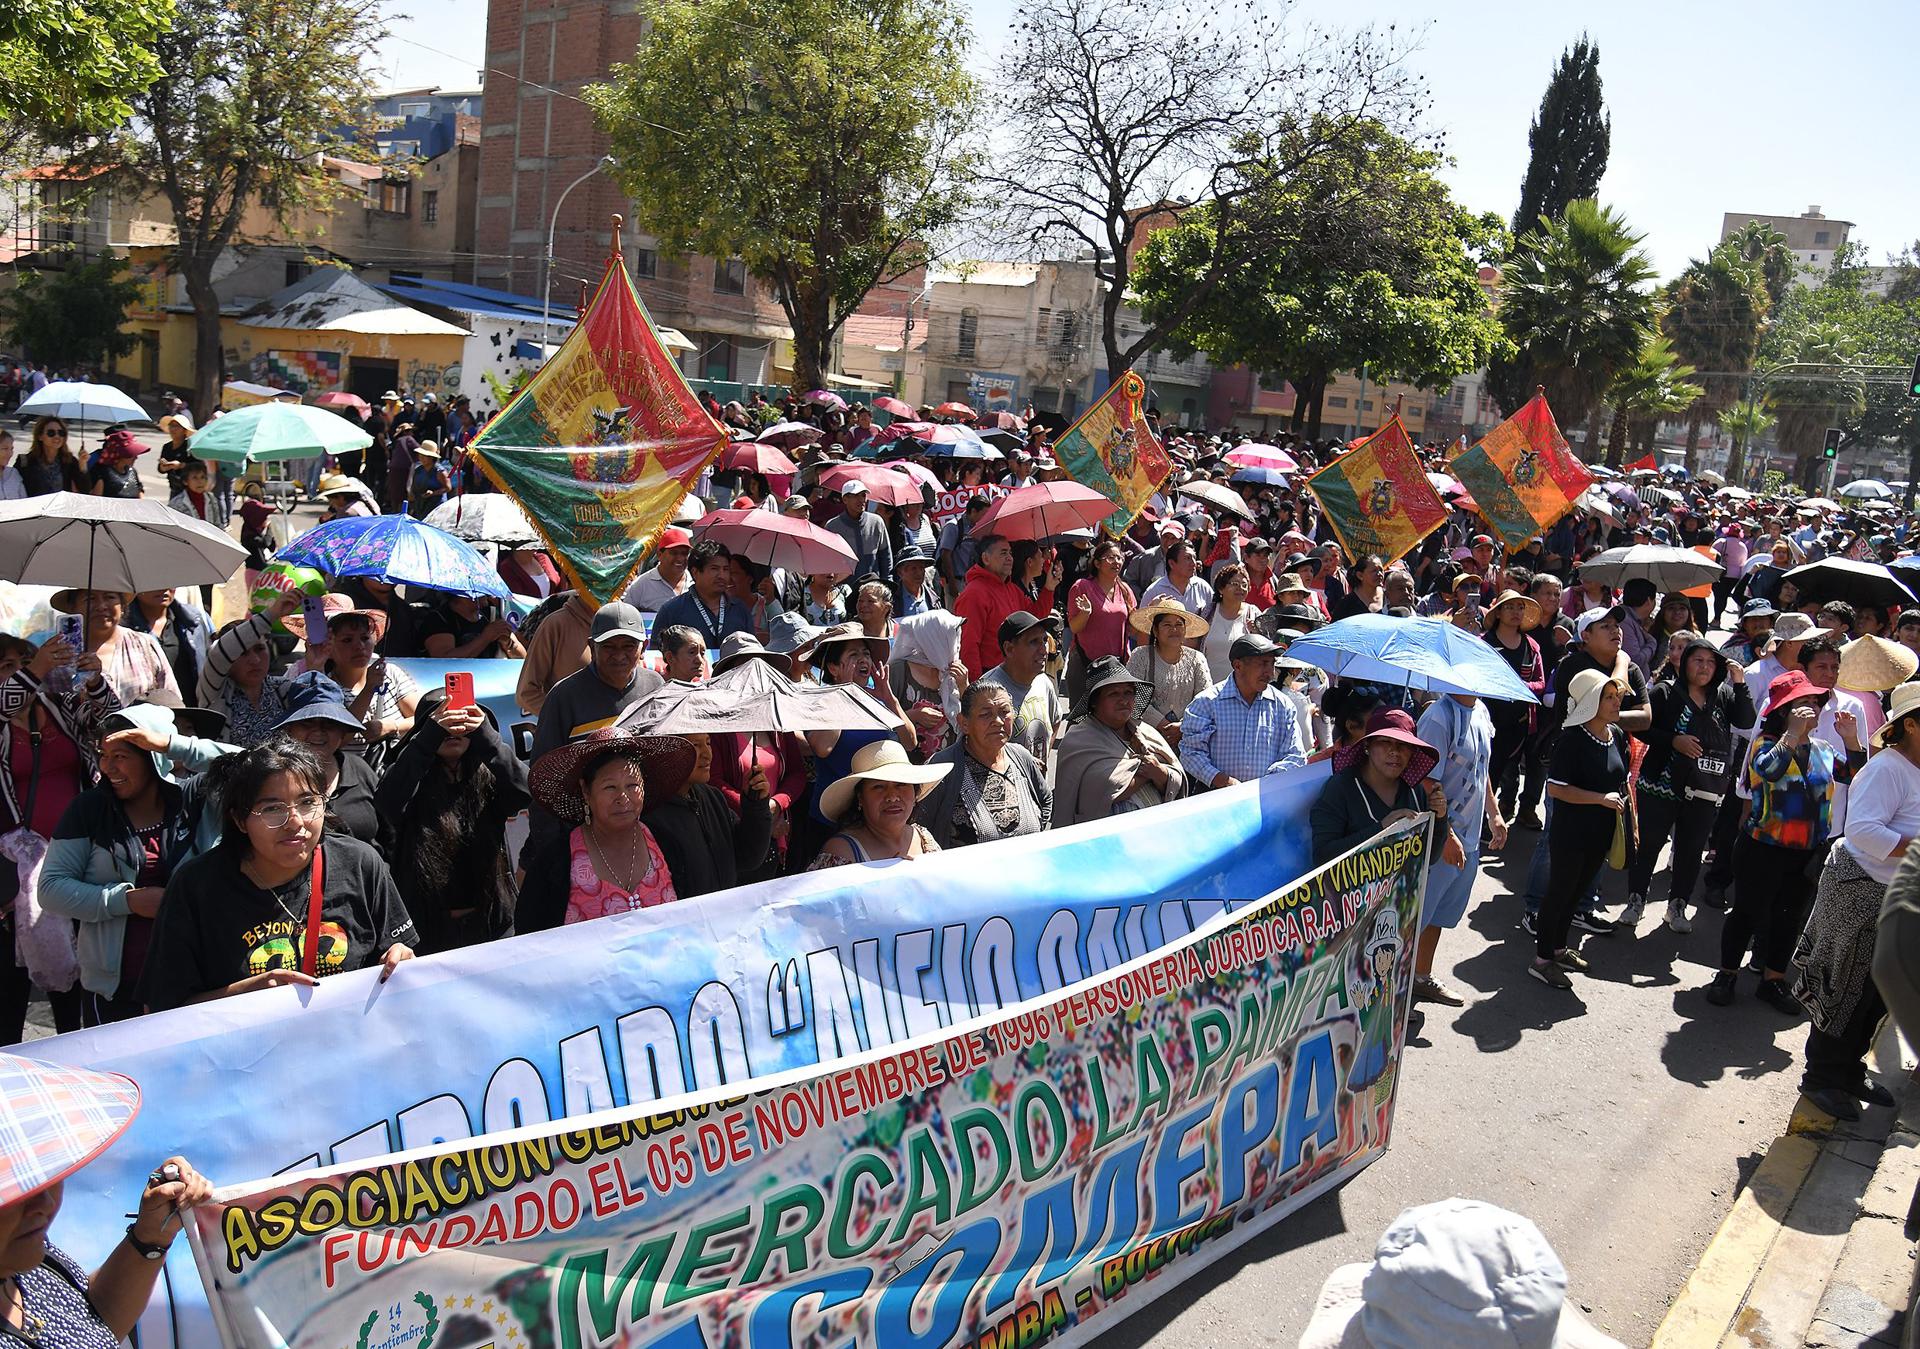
(1822, 236)
(415, 109)
(969, 335)
(1065, 331)
(298, 271)
(430, 206)
(730, 277)
(393, 196)
(646, 263)
(1339, 402)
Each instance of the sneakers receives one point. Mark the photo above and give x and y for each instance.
(1550, 974)
(1776, 994)
(1873, 1093)
(1530, 923)
(1720, 992)
(1631, 915)
(1715, 898)
(1832, 1100)
(1529, 819)
(1677, 919)
(1593, 922)
(1569, 959)
(1426, 988)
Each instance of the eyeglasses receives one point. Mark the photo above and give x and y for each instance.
(54, 433)
(278, 814)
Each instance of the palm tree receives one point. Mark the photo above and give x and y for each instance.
(1714, 311)
(1656, 385)
(1761, 245)
(1746, 422)
(1577, 299)
(1817, 384)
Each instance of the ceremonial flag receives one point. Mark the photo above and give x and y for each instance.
(1522, 475)
(603, 443)
(1377, 497)
(1112, 450)
(1644, 461)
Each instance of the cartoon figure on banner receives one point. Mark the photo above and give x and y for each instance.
(1370, 988)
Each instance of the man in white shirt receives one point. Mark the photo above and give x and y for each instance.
(668, 575)
(1181, 582)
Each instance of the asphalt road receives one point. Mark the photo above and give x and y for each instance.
(1620, 1117)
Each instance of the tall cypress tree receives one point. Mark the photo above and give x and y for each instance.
(1569, 139)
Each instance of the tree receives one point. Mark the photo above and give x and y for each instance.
(70, 68)
(256, 91)
(1123, 116)
(1655, 385)
(1746, 422)
(823, 142)
(1816, 384)
(72, 316)
(1577, 299)
(1763, 246)
(1361, 256)
(1713, 314)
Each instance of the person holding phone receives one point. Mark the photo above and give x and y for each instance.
(132, 662)
(1109, 762)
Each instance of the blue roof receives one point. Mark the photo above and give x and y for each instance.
(474, 299)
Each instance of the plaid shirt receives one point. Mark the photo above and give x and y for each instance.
(1223, 733)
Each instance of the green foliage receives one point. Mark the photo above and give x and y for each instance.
(823, 142)
(1714, 310)
(1577, 299)
(1656, 384)
(1360, 256)
(72, 316)
(70, 68)
(1570, 138)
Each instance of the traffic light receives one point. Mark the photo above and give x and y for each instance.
(1913, 381)
(1831, 449)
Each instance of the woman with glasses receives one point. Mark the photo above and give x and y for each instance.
(49, 465)
(239, 918)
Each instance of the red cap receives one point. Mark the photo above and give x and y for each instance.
(1793, 684)
(675, 537)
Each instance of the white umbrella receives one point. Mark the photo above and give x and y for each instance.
(1223, 498)
(1667, 568)
(111, 543)
(80, 401)
(486, 517)
(1867, 489)
(1817, 504)
(1734, 494)
(1710, 476)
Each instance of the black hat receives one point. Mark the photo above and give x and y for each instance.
(1015, 625)
(1103, 674)
(912, 553)
(1250, 645)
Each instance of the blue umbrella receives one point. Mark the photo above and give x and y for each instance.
(1264, 477)
(1428, 654)
(397, 549)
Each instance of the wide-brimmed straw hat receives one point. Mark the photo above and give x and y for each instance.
(666, 762)
(1460, 1274)
(1583, 695)
(1905, 702)
(1390, 723)
(882, 761)
(55, 1119)
(1531, 618)
(338, 606)
(429, 449)
(839, 635)
(1104, 674)
(1874, 665)
(744, 646)
(67, 601)
(1141, 620)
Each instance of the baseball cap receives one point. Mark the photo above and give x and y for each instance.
(795, 502)
(1592, 616)
(617, 620)
(853, 487)
(1172, 528)
(1015, 625)
(675, 537)
(1482, 540)
(1250, 645)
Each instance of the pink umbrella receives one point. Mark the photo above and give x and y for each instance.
(341, 399)
(750, 456)
(1043, 510)
(1003, 421)
(919, 473)
(1262, 456)
(892, 406)
(1443, 483)
(778, 541)
(826, 398)
(885, 485)
(953, 410)
(893, 431)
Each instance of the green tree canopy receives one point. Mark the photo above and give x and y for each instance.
(1714, 310)
(1569, 139)
(1359, 256)
(1656, 384)
(823, 142)
(71, 316)
(70, 68)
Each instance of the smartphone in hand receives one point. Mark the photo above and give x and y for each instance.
(314, 615)
(72, 630)
(459, 690)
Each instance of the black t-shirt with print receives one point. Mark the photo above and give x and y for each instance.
(216, 927)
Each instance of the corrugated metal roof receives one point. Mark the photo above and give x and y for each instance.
(332, 300)
(459, 295)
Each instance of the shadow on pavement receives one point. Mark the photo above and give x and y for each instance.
(1736, 1040)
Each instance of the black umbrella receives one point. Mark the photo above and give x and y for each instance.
(1865, 585)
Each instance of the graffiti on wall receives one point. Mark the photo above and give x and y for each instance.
(302, 372)
(423, 377)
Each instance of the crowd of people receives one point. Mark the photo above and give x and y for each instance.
(206, 812)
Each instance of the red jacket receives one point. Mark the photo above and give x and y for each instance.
(985, 602)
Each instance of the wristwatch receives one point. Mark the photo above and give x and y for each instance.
(146, 1250)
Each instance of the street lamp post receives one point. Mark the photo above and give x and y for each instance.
(546, 262)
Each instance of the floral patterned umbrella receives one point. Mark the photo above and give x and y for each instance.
(398, 550)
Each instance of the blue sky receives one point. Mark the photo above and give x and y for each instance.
(1716, 106)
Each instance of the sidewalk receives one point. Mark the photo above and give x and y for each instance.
(1815, 1252)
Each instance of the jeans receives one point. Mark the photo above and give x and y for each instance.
(1574, 869)
(1838, 1061)
(1770, 894)
(1510, 734)
(1539, 866)
(1687, 821)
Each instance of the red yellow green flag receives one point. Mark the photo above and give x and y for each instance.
(1377, 496)
(1112, 450)
(1522, 475)
(603, 443)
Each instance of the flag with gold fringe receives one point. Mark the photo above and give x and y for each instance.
(1377, 496)
(1112, 450)
(1522, 475)
(603, 443)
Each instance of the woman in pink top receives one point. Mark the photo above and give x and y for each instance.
(1097, 610)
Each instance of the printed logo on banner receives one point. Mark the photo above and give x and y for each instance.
(408, 1325)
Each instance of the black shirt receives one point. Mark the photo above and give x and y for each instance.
(216, 927)
(1572, 664)
(350, 809)
(446, 623)
(1581, 761)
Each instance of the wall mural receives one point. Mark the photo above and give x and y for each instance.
(301, 372)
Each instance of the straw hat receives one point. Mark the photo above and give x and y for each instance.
(68, 601)
(882, 761)
(1531, 618)
(1906, 702)
(1141, 620)
(429, 449)
(338, 606)
(666, 762)
(1583, 695)
(55, 1119)
(333, 483)
(1874, 665)
(839, 635)
(1390, 723)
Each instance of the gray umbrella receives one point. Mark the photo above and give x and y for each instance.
(1667, 568)
(111, 543)
(754, 696)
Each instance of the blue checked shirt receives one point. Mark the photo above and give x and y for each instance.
(1223, 733)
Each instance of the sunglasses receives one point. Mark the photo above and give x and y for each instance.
(54, 432)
